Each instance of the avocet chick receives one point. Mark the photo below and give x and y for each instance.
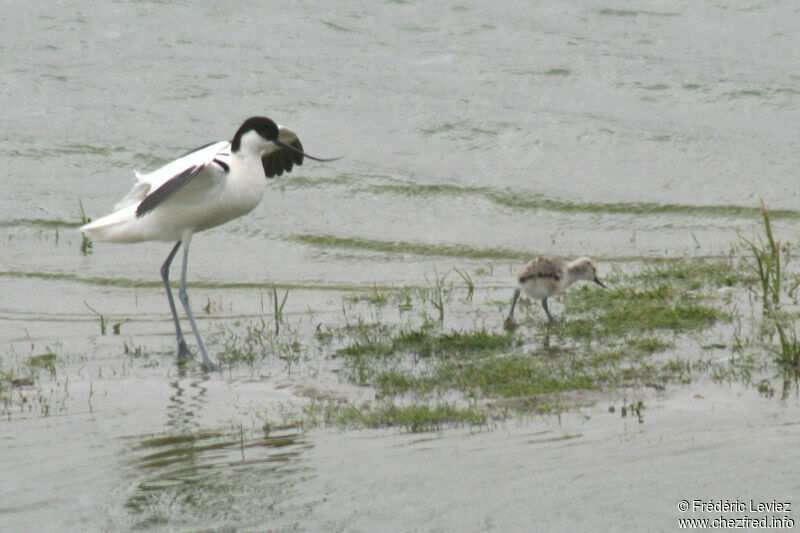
(545, 276)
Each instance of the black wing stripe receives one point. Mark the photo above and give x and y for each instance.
(525, 278)
(222, 165)
(170, 187)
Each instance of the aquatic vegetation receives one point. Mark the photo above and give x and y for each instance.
(24, 389)
(135, 351)
(248, 343)
(767, 255)
(437, 293)
(43, 361)
(507, 376)
(788, 358)
(277, 314)
(414, 418)
(406, 248)
(86, 243)
(694, 274)
(253, 341)
(537, 202)
(415, 346)
(606, 339)
(103, 319)
(427, 342)
(789, 355)
(415, 362)
(635, 409)
(14, 373)
(468, 281)
(375, 297)
(649, 345)
(621, 311)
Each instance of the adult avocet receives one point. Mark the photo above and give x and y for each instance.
(545, 276)
(202, 189)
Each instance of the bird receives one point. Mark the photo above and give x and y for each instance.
(545, 276)
(204, 188)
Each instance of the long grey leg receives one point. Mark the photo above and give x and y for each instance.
(513, 304)
(183, 350)
(546, 310)
(184, 298)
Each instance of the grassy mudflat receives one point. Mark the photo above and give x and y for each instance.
(433, 355)
(436, 355)
(659, 324)
(426, 373)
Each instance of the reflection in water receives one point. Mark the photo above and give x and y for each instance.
(190, 476)
(188, 399)
(209, 478)
(791, 380)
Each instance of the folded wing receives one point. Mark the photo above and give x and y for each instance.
(156, 187)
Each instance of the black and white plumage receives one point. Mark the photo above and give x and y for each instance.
(202, 189)
(545, 276)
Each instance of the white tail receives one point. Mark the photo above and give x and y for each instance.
(111, 228)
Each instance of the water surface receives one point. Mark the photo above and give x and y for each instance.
(475, 135)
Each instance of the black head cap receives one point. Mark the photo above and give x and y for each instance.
(261, 125)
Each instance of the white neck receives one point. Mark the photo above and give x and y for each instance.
(252, 143)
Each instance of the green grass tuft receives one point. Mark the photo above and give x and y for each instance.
(623, 311)
(424, 342)
(415, 418)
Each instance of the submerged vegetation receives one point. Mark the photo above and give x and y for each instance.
(625, 311)
(433, 249)
(540, 202)
(431, 357)
(607, 339)
(767, 266)
(437, 354)
(767, 259)
(24, 386)
(86, 243)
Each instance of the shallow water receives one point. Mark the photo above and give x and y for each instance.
(475, 135)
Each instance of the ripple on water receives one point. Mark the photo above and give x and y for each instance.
(212, 475)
